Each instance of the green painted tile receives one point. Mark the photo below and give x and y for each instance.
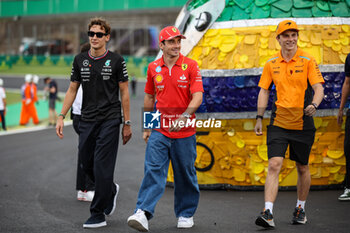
(284, 5)
(303, 12)
(243, 4)
(238, 13)
(277, 13)
(303, 4)
(225, 15)
(323, 5)
(339, 9)
(261, 2)
(317, 12)
(259, 13)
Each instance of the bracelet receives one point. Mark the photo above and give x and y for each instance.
(315, 105)
(62, 115)
(259, 116)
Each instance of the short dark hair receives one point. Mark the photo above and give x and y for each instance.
(102, 22)
(46, 79)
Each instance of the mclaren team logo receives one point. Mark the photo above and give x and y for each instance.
(184, 66)
(159, 78)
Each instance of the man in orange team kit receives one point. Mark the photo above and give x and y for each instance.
(296, 76)
(28, 99)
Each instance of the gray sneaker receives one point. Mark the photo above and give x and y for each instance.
(299, 216)
(265, 219)
(345, 196)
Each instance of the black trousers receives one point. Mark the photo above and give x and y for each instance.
(98, 147)
(83, 181)
(347, 150)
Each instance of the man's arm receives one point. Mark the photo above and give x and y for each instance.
(67, 104)
(124, 93)
(344, 96)
(196, 101)
(263, 99)
(310, 110)
(53, 90)
(148, 105)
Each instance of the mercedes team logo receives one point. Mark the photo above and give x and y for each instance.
(85, 62)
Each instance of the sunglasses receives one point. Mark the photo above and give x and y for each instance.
(98, 34)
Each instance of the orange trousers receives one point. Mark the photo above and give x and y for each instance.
(27, 112)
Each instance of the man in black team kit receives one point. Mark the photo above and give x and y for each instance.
(102, 74)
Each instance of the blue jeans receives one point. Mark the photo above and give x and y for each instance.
(182, 153)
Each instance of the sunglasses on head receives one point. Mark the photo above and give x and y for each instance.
(98, 34)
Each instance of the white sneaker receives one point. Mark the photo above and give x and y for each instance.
(345, 196)
(184, 222)
(138, 221)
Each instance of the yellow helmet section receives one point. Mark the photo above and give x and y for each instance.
(240, 157)
(251, 47)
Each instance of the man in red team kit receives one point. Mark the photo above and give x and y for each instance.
(174, 86)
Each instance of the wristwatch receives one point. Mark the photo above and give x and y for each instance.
(62, 115)
(259, 116)
(186, 114)
(128, 122)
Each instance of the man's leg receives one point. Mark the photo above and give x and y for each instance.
(272, 179)
(155, 173)
(347, 151)
(2, 115)
(346, 195)
(105, 156)
(24, 118)
(183, 155)
(304, 181)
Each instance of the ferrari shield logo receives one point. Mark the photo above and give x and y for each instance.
(184, 66)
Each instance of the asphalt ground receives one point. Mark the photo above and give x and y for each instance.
(37, 192)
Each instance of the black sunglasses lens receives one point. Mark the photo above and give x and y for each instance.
(98, 34)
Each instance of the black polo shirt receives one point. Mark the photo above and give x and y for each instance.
(99, 77)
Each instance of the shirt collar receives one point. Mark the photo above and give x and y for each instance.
(99, 57)
(178, 62)
(294, 58)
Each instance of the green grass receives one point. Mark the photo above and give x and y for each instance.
(13, 97)
(37, 69)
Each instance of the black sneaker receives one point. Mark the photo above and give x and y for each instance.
(265, 219)
(299, 216)
(95, 222)
(111, 206)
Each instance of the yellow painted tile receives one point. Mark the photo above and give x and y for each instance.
(328, 43)
(211, 32)
(250, 39)
(302, 44)
(336, 47)
(304, 36)
(316, 38)
(265, 33)
(345, 28)
(243, 58)
(344, 41)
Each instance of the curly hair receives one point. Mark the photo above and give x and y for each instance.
(102, 22)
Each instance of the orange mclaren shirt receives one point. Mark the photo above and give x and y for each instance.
(293, 81)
